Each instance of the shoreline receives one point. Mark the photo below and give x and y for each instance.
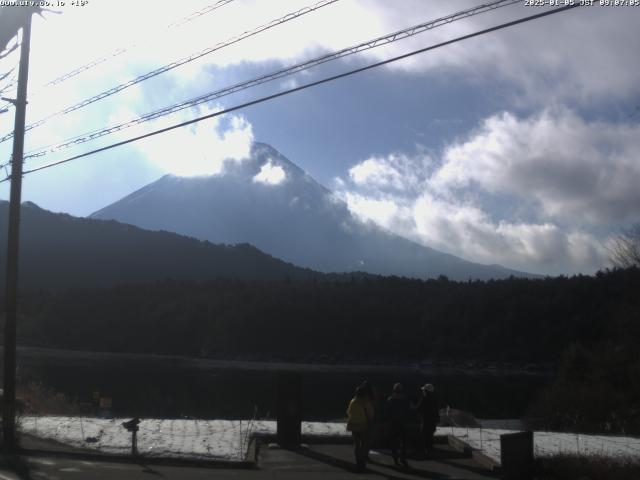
(426, 366)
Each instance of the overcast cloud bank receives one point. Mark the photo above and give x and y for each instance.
(523, 192)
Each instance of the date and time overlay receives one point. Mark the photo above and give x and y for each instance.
(527, 3)
(584, 3)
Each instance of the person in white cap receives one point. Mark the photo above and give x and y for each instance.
(429, 416)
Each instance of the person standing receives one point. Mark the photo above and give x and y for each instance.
(370, 394)
(429, 416)
(398, 411)
(359, 416)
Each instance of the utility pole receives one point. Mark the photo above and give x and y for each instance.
(11, 295)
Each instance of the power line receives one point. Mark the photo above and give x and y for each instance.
(12, 72)
(199, 13)
(304, 87)
(121, 50)
(376, 42)
(177, 63)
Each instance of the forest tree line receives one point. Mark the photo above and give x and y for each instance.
(528, 320)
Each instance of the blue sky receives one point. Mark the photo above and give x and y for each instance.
(519, 147)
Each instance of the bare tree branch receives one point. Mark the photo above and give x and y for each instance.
(625, 248)
(5, 75)
(8, 51)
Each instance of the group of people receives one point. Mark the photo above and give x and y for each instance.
(398, 411)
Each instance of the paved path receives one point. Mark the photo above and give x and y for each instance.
(336, 462)
(325, 462)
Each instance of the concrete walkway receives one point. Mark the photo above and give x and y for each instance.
(326, 462)
(336, 462)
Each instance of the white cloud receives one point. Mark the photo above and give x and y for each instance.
(375, 172)
(527, 193)
(393, 172)
(545, 59)
(573, 169)
(270, 174)
(198, 149)
(289, 84)
(381, 211)
(557, 64)
(468, 231)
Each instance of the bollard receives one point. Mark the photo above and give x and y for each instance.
(516, 456)
(289, 413)
(132, 426)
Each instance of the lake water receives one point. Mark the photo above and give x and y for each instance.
(170, 387)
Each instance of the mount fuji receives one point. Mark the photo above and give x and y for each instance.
(268, 201)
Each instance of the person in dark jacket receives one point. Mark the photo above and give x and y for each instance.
(398, 411)
(370, 394)
(429, 416)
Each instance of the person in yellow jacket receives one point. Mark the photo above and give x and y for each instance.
(360, 416)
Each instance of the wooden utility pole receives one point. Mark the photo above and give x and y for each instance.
(11, 295)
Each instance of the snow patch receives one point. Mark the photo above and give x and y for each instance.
(270, 174)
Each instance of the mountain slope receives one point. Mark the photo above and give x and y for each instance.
(58, 250)
(271, 203)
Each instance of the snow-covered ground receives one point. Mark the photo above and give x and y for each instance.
(228, 439)
(196, 439)
(548, 443)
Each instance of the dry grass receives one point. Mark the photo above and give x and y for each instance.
(593, 467)
(36, 398)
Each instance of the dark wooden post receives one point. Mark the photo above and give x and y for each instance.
(133, 427)
(516, 456)
(289, 411)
